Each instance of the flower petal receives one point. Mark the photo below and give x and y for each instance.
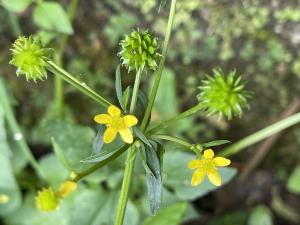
(102, 118)
(109, 135)
(197, 177)
(114, 110)
(194, 164)
(130, 120)
(126, 135)
(221, 161)
(215, 178)
(208, 154)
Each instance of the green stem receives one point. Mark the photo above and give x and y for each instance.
(161, 66)
(173, 139)
(15, 129)
(130, 161)
(77, 84)
(174, 119)
(135, 90)
(58, 82)
(260, 135)
(97, 166)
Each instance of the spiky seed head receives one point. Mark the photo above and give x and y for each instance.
(139, 49)
(30, 58)
(223, 94)
(47, 200)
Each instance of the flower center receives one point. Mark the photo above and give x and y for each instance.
(208, 165)
(117, 123)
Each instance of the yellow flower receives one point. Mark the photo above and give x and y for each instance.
(116, 123)
(207, 166)
(66, 188)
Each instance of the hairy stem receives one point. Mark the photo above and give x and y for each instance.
(57, 70)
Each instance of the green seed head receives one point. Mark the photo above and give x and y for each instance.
(30, 57)
(223, 94)
(139, 49)
(47, 200)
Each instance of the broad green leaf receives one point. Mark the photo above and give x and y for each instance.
(154, 179)
(16, 5)
(75, 140)
(55, 171)
(293, 184)
(118, 87)
(215, 143)
(178, 176)
(52, 17)
(61, 156)
(170, 215)
(261, 215)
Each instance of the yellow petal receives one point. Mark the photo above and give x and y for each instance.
(102, 119)
(220, 161)
(130, 120)
(197, 177)
(208, 154)
(114, 110)
(215, 178)
(109, 135)
(194, 164)
(66, 188)
(126, 135)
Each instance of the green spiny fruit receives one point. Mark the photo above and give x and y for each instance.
(30, 57)
(139, 49)
(223, 94)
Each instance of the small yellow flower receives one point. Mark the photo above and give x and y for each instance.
(116, 123)
(47, 200)
(66, 188)
(207, 166)
(4, 199)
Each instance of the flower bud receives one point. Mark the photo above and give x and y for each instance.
(66, 188)
(139, 49)
(30, 58)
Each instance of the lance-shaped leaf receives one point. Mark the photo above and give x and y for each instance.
(153, 157)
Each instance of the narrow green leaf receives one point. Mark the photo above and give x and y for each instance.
(118, 86)
(98, 141)
(154, 179)
(162, 4)
(126, 97)
(61, 155)
(51, 16)
(102, 155)
(140, 135)
(215, 143)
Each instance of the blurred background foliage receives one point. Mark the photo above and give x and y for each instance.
(260, 39)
